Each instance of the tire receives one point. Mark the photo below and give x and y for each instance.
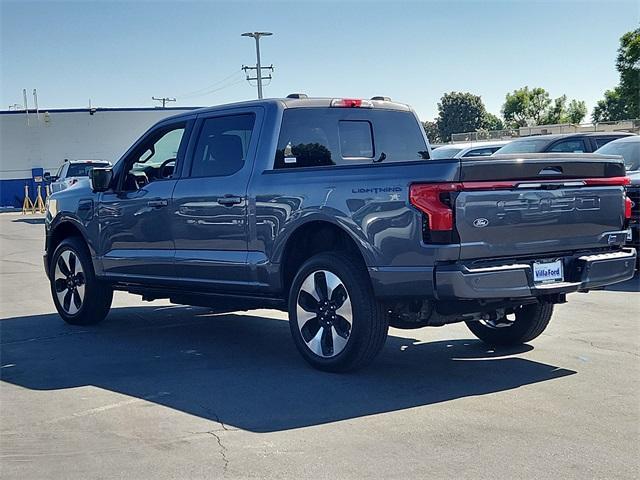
(530, 321)
(319, 316)
(78, 296)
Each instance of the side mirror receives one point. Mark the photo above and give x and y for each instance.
(47, 177)
(100, 179)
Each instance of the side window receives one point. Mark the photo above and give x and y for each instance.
(575, 145)
(222, 145)
(356, 140)
(155, 159)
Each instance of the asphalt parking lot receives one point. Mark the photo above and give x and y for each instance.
(165, 391)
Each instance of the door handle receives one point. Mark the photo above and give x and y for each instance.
(157, 203)
(229, 200)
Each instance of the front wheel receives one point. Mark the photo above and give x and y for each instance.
(336, 322)
(78, 296)
(525, 324)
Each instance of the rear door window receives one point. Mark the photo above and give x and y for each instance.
(222, 145)
(574, 145)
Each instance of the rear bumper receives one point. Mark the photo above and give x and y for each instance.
(516, 280)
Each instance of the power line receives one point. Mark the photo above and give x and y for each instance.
(208, 88)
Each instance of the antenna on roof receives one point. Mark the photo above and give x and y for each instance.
(35, 101)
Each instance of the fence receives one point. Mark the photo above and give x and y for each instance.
(632, 126)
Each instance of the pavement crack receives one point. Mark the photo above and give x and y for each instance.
(223, 450)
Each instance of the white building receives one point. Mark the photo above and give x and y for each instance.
(29, 141)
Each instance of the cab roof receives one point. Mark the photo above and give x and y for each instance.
(298, 103)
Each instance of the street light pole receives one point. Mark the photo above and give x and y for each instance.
(258, 67)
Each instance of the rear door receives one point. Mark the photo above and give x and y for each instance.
(209, 215)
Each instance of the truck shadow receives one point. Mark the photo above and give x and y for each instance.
(31, 221)
(243, 371)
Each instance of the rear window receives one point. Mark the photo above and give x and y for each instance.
(445, 152)
(630, 151)
(317, 137)
(83, 169)
(481, 152)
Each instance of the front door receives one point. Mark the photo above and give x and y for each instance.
(210, 201)
(135, 223)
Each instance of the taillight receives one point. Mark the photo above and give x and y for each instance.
(434, 201)
(351, 103)
(628, 205)
(608, 181)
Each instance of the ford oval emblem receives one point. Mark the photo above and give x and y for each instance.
(480, 222)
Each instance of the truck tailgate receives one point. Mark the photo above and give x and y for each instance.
(539, 205)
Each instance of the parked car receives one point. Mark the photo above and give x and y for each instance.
(469, 149)
(334, 211)
(72, 171)
(629, 149)
(562, 143)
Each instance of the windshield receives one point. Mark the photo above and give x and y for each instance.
(445, 152)
(530, 145)
(630, 151)
(83, 169)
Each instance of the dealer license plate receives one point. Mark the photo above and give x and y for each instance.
(544, 272)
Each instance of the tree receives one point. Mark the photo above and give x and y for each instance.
(525, 106)
(576, 111)
(555, 112)
(560, 112)
(623, 101)
(431, 129)
(628, 64)
(612, 107)
(459, 112)
(492, 122)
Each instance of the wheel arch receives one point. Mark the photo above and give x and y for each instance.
(315, 236)
(62, 229)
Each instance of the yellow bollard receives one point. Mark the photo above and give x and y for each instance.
(39, 204)
(27, 204)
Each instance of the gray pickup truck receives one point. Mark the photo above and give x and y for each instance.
(334, 210)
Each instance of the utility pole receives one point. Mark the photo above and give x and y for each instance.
(258, 68)
(164, 100)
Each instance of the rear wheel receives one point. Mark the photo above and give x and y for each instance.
(336, 322)
(525, 324)
(78, 296)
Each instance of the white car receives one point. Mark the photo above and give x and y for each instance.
(468, 149)
(72, 171)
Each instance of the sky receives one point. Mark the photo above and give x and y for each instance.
(120, 54)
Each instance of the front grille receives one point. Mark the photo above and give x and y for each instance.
(634, 194)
